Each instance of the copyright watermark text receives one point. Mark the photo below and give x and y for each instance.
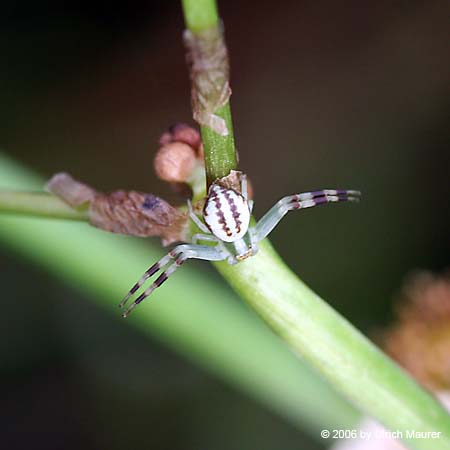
(379, 434)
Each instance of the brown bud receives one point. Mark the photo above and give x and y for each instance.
(175, 162)
(181, 132)
(420, 339)
(166, 138)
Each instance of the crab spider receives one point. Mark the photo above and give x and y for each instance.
(226, 219)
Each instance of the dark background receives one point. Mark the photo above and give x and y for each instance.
(325, 95)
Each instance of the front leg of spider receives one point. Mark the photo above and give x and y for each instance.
(178, 255)
(299, 201)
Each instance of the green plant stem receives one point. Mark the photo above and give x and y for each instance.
(313, 329)
(220, 152)
(200, 14)
(39, 204)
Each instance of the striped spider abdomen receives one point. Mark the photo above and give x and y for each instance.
(226, 213)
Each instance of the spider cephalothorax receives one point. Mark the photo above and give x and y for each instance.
(226, 223)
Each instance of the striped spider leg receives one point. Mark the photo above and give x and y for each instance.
(226, 220)
(178, 255)
(299, 201)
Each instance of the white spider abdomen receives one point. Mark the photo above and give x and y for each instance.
(226, 213)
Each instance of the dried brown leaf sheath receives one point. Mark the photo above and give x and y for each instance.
(233, 181)
(125, 212)
(71, 191)
(207, 60)
(138, 214)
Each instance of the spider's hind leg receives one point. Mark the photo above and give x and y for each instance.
(180, 253)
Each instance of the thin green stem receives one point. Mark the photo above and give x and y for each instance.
(39, 204)
(200, 14)
(220, 152)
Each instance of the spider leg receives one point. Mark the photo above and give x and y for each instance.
(148, 273)
(180, 254)
(203, 237)
(196, 220)
(244, 189)
(299, 201)
(253, 240)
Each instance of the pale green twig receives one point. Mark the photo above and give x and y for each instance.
(39, 204)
